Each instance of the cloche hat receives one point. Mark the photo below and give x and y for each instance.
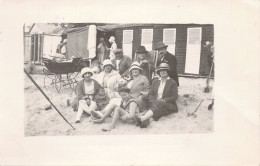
(135, 65)
(85, 70)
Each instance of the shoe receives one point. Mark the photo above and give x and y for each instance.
(77, 121)
(105, 129)
(145, 123)
(95, 115)
(139, 122)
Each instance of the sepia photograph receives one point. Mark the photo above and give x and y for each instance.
(132, 82)
(100, 78)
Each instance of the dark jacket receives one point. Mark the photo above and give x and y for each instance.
(80, 92)
(124, 64)
(170, 92)
(172, 61)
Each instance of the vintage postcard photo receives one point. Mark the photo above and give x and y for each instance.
(131, 82)
(100, 78)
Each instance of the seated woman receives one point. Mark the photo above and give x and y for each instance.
(109, 78)
(127, 109)
(162, 97)
(86, 90)
(139, 85)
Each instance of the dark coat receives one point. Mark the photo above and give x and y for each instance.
(170, 93)
(124, 64)
(172, 61)
(80, 92)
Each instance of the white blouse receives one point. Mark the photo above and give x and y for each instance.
(89, 88)
(161, 88)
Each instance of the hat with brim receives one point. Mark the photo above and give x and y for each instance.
(135, 65)
(160, 45)
(163, 66)
(86, 70)
(107, 62)
(141, 50)
(117, 51)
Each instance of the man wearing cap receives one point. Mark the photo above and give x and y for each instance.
(122, 63)
(165, 56)
(145, 61)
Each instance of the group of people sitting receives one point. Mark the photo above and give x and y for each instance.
(126, 89)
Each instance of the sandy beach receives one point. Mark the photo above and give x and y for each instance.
(41, 122)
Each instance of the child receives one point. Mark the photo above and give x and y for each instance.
(127, 109)
(101, 99)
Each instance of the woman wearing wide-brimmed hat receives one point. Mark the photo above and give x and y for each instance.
(162, 97)
(139, 85)
(86, 90)
(145, 61)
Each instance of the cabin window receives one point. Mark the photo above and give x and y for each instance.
(169, 38)
(147, 39)
(128, 42)
(193, 50)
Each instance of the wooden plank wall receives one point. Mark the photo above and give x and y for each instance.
(181, 41)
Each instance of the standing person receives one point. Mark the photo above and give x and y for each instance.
(122, 63)
(162, 97)
(127, 109)
(165, 56)
(86, 90)
(102, 50)
(113, 47)
(145, 61)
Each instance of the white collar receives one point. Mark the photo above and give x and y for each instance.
(166, 78)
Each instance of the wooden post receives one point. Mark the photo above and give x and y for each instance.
(38, 47)
(34, 49)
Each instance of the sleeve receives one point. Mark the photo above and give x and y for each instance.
(128, 65)
(174, 93)
(146, 85)
(79, 91)
(151, 92)
(97, 86)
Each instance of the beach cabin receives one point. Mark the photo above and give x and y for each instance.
(185, 41)
(42, 39)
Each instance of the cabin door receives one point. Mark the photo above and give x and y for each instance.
(147, 39)
(128, 42)
(169, 38)
(193, 50)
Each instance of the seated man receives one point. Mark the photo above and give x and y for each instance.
(121, 62)
(127, 110)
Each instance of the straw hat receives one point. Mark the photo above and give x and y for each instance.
(160, 45)
(107, 62)
(163, 66)
(86, 70)
(135, 65)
